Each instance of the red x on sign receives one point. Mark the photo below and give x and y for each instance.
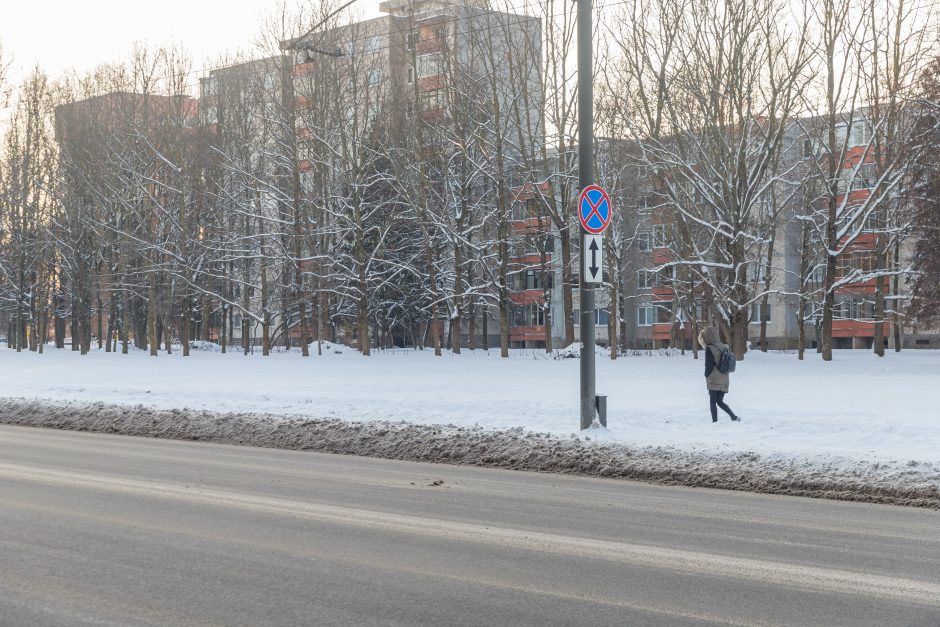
(594, 209)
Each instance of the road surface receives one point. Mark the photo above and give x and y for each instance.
(98, 529)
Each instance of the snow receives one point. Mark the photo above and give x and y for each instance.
(858, 409)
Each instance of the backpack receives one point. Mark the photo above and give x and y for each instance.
(727, 362)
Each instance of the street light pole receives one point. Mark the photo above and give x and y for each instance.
(586, 178)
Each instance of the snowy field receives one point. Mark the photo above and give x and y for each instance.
(855, 410)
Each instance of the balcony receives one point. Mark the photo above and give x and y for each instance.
(858, 328)
(527, 334)
(303, 69)
(663, 291)
(530, 261)
(662, 330)
(527, 297)
(530, 225)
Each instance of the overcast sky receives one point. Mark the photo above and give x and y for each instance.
(81, 34)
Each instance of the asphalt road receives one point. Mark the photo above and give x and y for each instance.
(103, 530)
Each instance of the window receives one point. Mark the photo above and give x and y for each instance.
(431, 100)
(860, 134)
(760, 312)
(528, 316)
(862, 261)
(866, 178)
(645, 279)
(373, 43)
(411, 75)
(808, 149)
(665, 277)
(853, 308)
(644, 241)
(411, 40)
(532, 207)
(532, 280)
(657, 235)
(210, 87)
(375, 77)
(645, 316)
(811, 313)
(817, 275)
(756, 272)
(872, 222)
(601, 317)
(430, 65)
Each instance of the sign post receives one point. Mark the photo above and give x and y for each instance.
(594, 213)
(585, 180)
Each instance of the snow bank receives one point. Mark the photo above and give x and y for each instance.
(856, 419)
(514, 449)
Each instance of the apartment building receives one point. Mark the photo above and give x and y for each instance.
(416, 72)
(115, 152)
(244, 108)
(658, 304)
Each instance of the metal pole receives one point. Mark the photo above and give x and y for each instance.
(585, 178)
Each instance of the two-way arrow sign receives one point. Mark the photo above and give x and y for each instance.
(593, 267)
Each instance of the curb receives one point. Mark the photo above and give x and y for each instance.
(513, 449)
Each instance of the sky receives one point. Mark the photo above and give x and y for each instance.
(63, 34)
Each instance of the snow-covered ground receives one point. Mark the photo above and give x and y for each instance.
(856, 409)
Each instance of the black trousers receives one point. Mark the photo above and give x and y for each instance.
(716, 399)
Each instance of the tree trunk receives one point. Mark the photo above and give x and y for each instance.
(100, 321)
(458, 288)
(435, 321)
(206, 318)
(362, 317)
(566, 285)
(880, 263)
(801, 328)
(125, 322)
(152, 319)
(246, 330)
(266, 333)
(112, 315)
(304, 335)
(612, 319)
(472, 326)
(829, 300)
(878, 341)
(504, 302)
(185, 314)
(167, 334)
(896, 326)
(223, 335)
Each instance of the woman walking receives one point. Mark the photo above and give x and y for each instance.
(716, 380)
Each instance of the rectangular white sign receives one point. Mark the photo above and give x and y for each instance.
(592, 254)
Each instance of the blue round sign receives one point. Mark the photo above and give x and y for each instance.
(594, 209)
